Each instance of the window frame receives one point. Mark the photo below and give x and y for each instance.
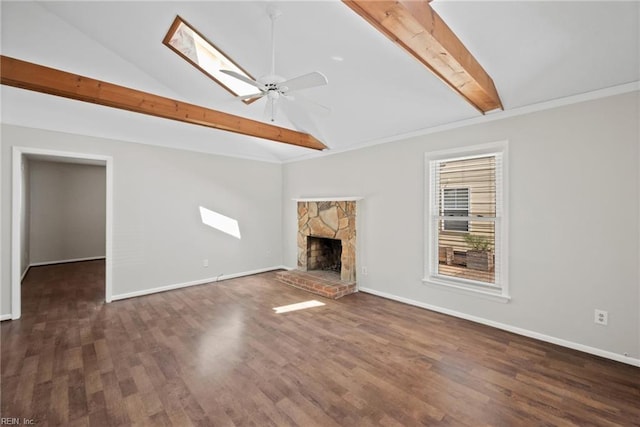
(500, 290)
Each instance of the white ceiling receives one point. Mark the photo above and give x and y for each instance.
(534, 51)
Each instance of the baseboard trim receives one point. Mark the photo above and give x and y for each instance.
(65, 261)
(509, 328)
(24, 273)
(194, 283)
(4, 317)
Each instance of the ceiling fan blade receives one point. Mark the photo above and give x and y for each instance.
(243, 78)
(303, 82)
(251, 96)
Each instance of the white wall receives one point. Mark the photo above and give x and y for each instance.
(574, 212)
(68, 211)
(158, 237)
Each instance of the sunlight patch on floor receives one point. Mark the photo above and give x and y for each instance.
(298, 306)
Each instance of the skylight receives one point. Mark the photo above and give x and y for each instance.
(193, 47)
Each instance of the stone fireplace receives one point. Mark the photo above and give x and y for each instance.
(326, 243)
(331, 220)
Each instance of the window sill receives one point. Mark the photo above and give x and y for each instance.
(461, 288)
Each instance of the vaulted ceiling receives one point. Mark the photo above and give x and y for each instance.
(534, 51)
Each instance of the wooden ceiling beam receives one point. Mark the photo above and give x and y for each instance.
(417, 28)
(30, 76)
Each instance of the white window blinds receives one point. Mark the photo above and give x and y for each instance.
(466, 249)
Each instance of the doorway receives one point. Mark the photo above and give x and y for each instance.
(22, 157)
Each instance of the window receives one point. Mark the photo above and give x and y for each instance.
(468, 253)
(455, 202)
(194, 48)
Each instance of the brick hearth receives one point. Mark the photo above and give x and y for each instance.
(323, 283)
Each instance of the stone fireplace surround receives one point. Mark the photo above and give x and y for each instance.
(332, 218)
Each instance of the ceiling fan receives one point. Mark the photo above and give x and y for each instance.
(274, 87)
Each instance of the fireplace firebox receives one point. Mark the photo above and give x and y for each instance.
(324, 254)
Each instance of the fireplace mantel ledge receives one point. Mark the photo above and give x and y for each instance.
(330, 199)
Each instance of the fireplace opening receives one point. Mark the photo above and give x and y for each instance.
(324, 254)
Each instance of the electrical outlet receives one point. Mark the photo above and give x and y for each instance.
(365, 271)
(601, 317)
(205, 263)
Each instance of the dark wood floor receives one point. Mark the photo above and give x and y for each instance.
(218, 355)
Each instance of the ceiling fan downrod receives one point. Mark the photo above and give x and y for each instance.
(273, 14)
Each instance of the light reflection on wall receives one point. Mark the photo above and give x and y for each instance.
(220, 222)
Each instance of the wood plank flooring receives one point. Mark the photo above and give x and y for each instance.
(218, 355)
